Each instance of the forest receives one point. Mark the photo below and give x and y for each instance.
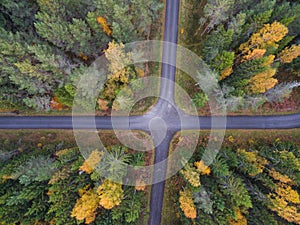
(252, 48)
(44, 179)
(253, 180)
(46, 45)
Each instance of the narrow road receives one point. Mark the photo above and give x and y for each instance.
(162, 111)
(141, 122)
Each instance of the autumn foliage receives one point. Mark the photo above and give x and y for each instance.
(110, 194)
(289, 53)
(90, 163)
(240, 219)
(140, 185)
(191, 175)
(86, 205)
(285, 202)
(186, 204)
(202, 168)
(265, 37)
(103, 22)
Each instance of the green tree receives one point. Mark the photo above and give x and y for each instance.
(215, 12)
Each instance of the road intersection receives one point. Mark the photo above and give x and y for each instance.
(164, 112)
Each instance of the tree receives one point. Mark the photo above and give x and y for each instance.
(281, 203)
(199, 99)
(114, 163)
(215, 12)
(46, 47)
(266, 37)
(130, 210)
(240, 219)
(202, 168)
(131, 20)
(262, 82)
(191, 175)
(86, 205)
(91, 162)
(120, 73)
(222, 61)
(186, 204)
(289, 53)
(255, 54)
(110, 194)
(242, 73)
(256, 163)
(216, 42)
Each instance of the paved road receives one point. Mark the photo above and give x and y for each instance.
(141, 123)
(162, 120)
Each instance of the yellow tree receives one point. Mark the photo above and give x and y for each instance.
(120, 72)
(264, 38)
(86, 205)
(191, 175)
(263, 81)
(240, 219)
(187, 204)
(226, 73)
(256, 53)
(255, 48)
(280, 177)
(90, 163)
(102, 21)
(285, 202)
(253, 158)
(202, 168)
(110, 194)
(289, 53)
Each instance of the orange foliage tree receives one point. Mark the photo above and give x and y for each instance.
(110, 194)
(289, 53)
(140, 185)
(240, 219)
(187, 204)
(285, 202)
(264, 38)
(90, 163)
(202, 168)
(254, 54)
(86, 205)
(103, 22)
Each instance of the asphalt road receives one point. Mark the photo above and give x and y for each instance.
(141, 122)
(162, 120)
